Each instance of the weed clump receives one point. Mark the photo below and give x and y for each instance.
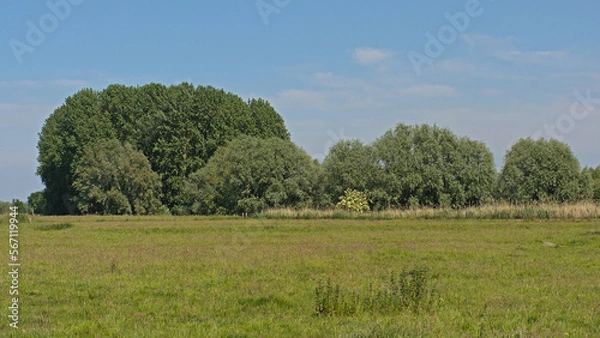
(60, 226)
(407, 290)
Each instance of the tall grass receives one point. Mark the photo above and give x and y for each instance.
(408, 290)
(577, 211)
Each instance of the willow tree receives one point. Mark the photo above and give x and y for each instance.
(114, 178)
(352, 165)
(541, 170)
(429, 165)
(251, 174)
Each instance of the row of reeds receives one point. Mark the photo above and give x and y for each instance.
(577, 211)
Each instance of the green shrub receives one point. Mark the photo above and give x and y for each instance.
(354, 200)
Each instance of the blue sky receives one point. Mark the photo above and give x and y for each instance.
(492, 70)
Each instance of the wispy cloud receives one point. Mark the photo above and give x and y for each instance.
(455, 66)
(370, 56)
(506, 49)
(537, 57)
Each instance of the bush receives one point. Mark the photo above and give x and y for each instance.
(354, 200)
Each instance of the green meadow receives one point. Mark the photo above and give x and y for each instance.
(257, 277)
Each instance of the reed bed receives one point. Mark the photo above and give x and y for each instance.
(541, 211)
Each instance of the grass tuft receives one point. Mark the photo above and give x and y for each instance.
(408, 290)
(50, 227)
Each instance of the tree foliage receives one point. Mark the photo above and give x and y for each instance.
(74, 125)
(594, 181)
(251, 174)
(428, 165)
(433, 166)
(4, 207)
(411, 166)
(352, 165)
(213, 152)
(541, 170)
(178, 128)
(114, 178)
(37, 202)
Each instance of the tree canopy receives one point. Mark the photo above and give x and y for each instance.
(352, 165)
(594, 177)
(428, 165)
(114, 178)
(185, 149)
(251, 174)
(178, 128)
(37, 202)
(542, 170)
(412, 165)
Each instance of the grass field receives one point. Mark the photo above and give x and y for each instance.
(234, 277)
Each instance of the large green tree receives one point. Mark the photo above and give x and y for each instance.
(411, 165)
(250, 174)
(178, 128)
(429, 165)
(114, 178)
(475, 172)
(541, 170)
(352, 165)
(594, 177)
(74, 125)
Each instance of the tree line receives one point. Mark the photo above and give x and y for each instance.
(182, 149)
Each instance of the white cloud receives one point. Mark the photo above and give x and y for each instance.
(505, 48)
(532, 56)
(455, 66)
(369, 55)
